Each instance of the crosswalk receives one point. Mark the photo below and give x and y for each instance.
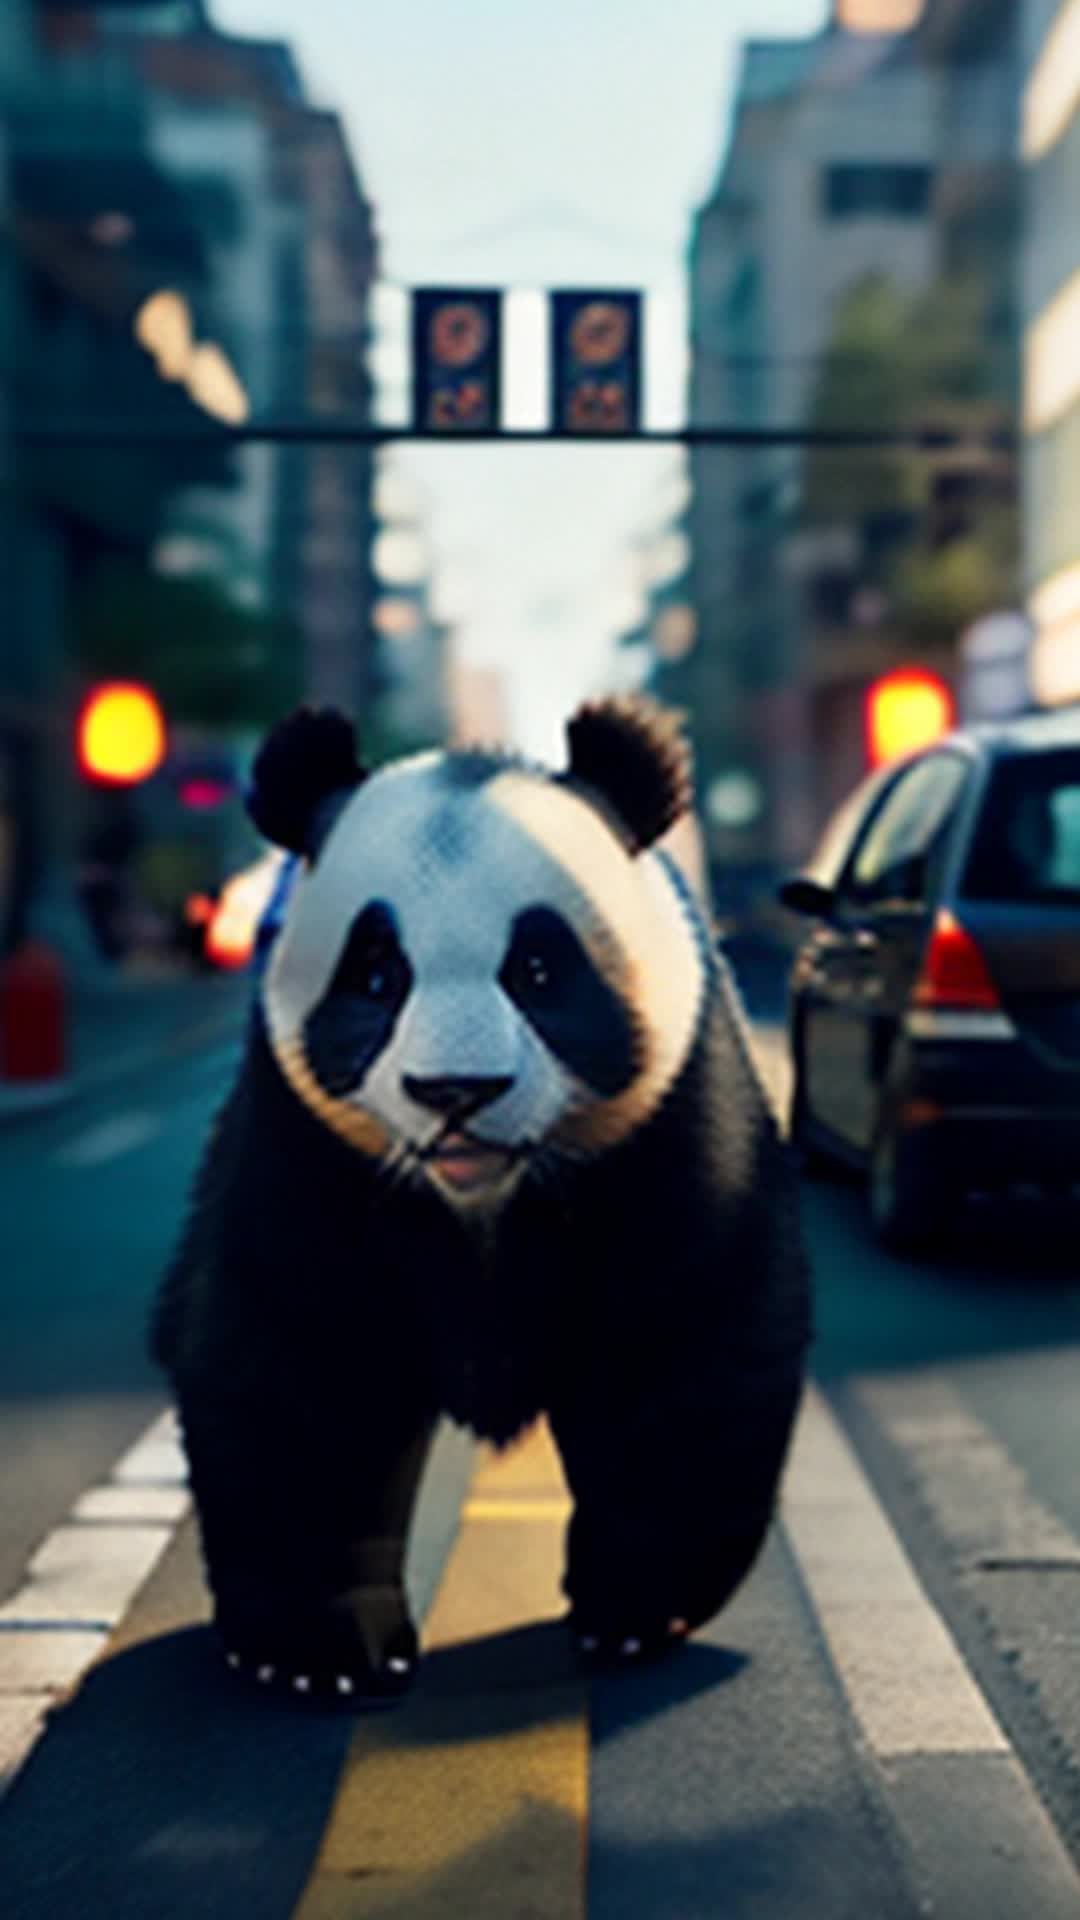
(831, 1697)
(885, 1721)
(80, 1583)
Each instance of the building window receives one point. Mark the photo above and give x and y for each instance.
(855, 191)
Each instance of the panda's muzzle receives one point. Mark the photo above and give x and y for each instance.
(455, 1156)
(459, 1096)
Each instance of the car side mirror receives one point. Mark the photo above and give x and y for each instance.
(803, 895)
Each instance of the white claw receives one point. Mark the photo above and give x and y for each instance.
(264, 1674)
(397, 1665)
(630, 1646)
(301, 1683)
(343, 1683)
(233, 1659)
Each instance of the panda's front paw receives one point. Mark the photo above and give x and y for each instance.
(306, 1679)
(604, 1646)
(356, 1651)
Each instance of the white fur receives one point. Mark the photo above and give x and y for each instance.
(456, 863)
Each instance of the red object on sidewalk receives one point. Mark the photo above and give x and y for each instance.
(33, 1037)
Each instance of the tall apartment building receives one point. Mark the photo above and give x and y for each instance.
(94, 224)
(978, 206)
(827, 178)
(298, 258)
(190, 242)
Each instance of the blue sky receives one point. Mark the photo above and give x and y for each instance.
(534, 143)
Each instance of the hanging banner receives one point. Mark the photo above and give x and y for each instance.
(596, 362)
(456, 357)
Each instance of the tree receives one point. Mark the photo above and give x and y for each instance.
(938, 528)
(862, 385)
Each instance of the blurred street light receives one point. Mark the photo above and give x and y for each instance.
(215, 386)
(904, 711)
(121, 734)
(163, 327)
(878, 16)
(395, 617)
(398, 557)
(674, 632)
(734, 799)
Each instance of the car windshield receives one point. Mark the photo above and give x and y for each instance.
(1027, 845)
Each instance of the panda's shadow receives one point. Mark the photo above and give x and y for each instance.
(524, 1674)
(166, 1785)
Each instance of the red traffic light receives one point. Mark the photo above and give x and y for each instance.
(457, 359)
(906, 710)
(596, 339)
(120, 734)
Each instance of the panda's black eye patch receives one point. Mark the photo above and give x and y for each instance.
(549, 974)
(372, 965)
(353, 1021)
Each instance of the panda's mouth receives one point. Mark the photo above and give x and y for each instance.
(467, 1164)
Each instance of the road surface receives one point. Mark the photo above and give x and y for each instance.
(886, 1721)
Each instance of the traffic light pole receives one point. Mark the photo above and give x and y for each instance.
(366, 434)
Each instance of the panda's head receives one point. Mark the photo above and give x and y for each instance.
(481, 965)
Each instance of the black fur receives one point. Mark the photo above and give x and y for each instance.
(352, 1024)
(320, 1314)
(577, 1014)
(630, 753)
(306, 766)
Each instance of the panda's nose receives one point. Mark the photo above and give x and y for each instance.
(457, 1095)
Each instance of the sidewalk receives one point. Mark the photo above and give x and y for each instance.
(122, 1023)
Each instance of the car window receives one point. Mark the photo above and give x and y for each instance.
(893, 859)
(1027, 842)
(831, 854)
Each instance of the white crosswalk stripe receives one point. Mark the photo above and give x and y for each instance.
(81, 1581)
(901, 1670)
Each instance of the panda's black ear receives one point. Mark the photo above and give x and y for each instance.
(633, 753)
(302, 763)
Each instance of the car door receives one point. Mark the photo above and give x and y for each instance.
(867, 956)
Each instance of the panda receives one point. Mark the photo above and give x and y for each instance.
(496, 1149)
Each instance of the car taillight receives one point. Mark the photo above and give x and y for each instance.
(953, 972)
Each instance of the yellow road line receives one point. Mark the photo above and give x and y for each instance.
(471, 1799)
(532, 1509)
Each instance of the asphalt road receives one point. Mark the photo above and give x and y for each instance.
(886, 1721)
(90, 1199)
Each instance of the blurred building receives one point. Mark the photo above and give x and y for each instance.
(411, 672)
(975, 46)
(16, 754)
(94, 225)
(413, 710)
(190, 245)
(827, 178)
(1051, 312)
(297, 263)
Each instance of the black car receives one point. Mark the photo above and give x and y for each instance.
(935, 1005)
